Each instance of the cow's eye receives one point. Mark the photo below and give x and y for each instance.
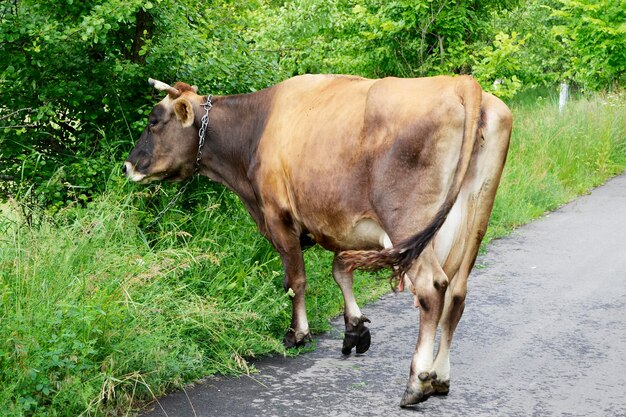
(153, 123)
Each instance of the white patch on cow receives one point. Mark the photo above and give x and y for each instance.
(132, 174)
(352, 308)
(386, 241)
(345, 281)
(448, 235)
(442, 364)
(423, 358)
(302, 324)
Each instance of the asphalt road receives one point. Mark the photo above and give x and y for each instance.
(543, 334)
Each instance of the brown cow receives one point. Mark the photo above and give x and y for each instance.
(369, 169)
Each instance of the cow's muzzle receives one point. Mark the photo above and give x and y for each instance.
(129, 170)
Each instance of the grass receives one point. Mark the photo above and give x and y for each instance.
(555, 157)
(98, 315)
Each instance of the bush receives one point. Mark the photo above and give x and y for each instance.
(73, 77)
(375, 39)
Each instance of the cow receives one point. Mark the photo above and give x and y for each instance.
(397, 173)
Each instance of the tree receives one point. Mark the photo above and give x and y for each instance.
(73, 74)
(373, 38)
(73, 77)
(595, 32)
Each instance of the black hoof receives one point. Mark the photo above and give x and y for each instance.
(293, 340)
(359, 338)
(364, 341)
(441, 387)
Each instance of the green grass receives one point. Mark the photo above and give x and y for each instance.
(98, 315)
(555, 157)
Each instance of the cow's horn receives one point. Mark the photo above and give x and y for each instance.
(161, 86)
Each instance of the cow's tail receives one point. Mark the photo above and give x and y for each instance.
(402, 256)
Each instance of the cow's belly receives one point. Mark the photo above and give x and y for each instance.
(366, 233)
(358, 234)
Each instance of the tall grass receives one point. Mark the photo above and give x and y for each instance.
(91, 315)
(555, 157)
(98, 314)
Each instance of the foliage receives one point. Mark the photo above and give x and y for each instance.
(555, 157)
(523, 44)
(73, 76)
(418, 38)
(596, 33)
(95, 318)
(372, 38)
(539, 57)
(499, 67)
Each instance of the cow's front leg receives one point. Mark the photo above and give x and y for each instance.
(287, 243)
(430, 283)
(357, 334)
(295, 285)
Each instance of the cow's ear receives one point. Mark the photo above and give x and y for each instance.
(184, 111)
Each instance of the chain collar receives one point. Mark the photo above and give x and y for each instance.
(208, 105)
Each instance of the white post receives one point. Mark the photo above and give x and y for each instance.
(563, 96)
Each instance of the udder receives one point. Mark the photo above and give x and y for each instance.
(366, 234)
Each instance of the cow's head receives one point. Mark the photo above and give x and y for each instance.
(167, 148)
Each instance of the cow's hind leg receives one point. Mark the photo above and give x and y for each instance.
(452, 312)
(357, 334)
(430, 283)
(455, 295)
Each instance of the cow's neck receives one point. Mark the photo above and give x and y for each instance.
(235, 127)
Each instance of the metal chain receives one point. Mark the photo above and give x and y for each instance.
(202, 132)
(208, 105)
